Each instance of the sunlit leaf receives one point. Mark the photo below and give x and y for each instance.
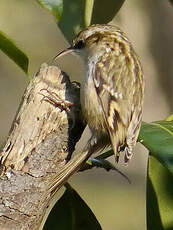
(55, 7)
(159, 197)
(13, 52)
(153, 214)
(71, 213)
(88, 11)
(170, 118)
(157, 137)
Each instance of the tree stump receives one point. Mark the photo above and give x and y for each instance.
(33, 161)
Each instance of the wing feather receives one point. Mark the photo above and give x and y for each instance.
(116, 89)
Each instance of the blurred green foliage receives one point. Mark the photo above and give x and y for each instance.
(54, 6)
(78, 14)
(104, 11)
(157, 137)
(13, 52)
(159, 196)
(171, 1)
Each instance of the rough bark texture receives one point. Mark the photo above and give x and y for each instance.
(33, 161)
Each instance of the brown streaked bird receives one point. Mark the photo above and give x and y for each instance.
(112, 88)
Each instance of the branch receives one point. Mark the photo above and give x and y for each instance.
(33, 161)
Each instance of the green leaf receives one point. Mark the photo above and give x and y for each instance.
(71, 213)
(153, 214)
(13, 52)
(170, 118)
(55, 7)
(73, 18)
(74, 15)
(104, 11)
(157, 137)
(78, 14)
(88, 11)
(159, 197)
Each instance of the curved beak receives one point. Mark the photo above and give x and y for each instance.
(64, 52)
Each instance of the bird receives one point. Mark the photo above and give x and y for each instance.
(112, 87)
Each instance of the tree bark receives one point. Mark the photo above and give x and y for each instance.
(33, 161)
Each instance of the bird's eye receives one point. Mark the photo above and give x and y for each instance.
(79, 45)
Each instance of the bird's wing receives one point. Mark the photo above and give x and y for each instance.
(117, 84)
